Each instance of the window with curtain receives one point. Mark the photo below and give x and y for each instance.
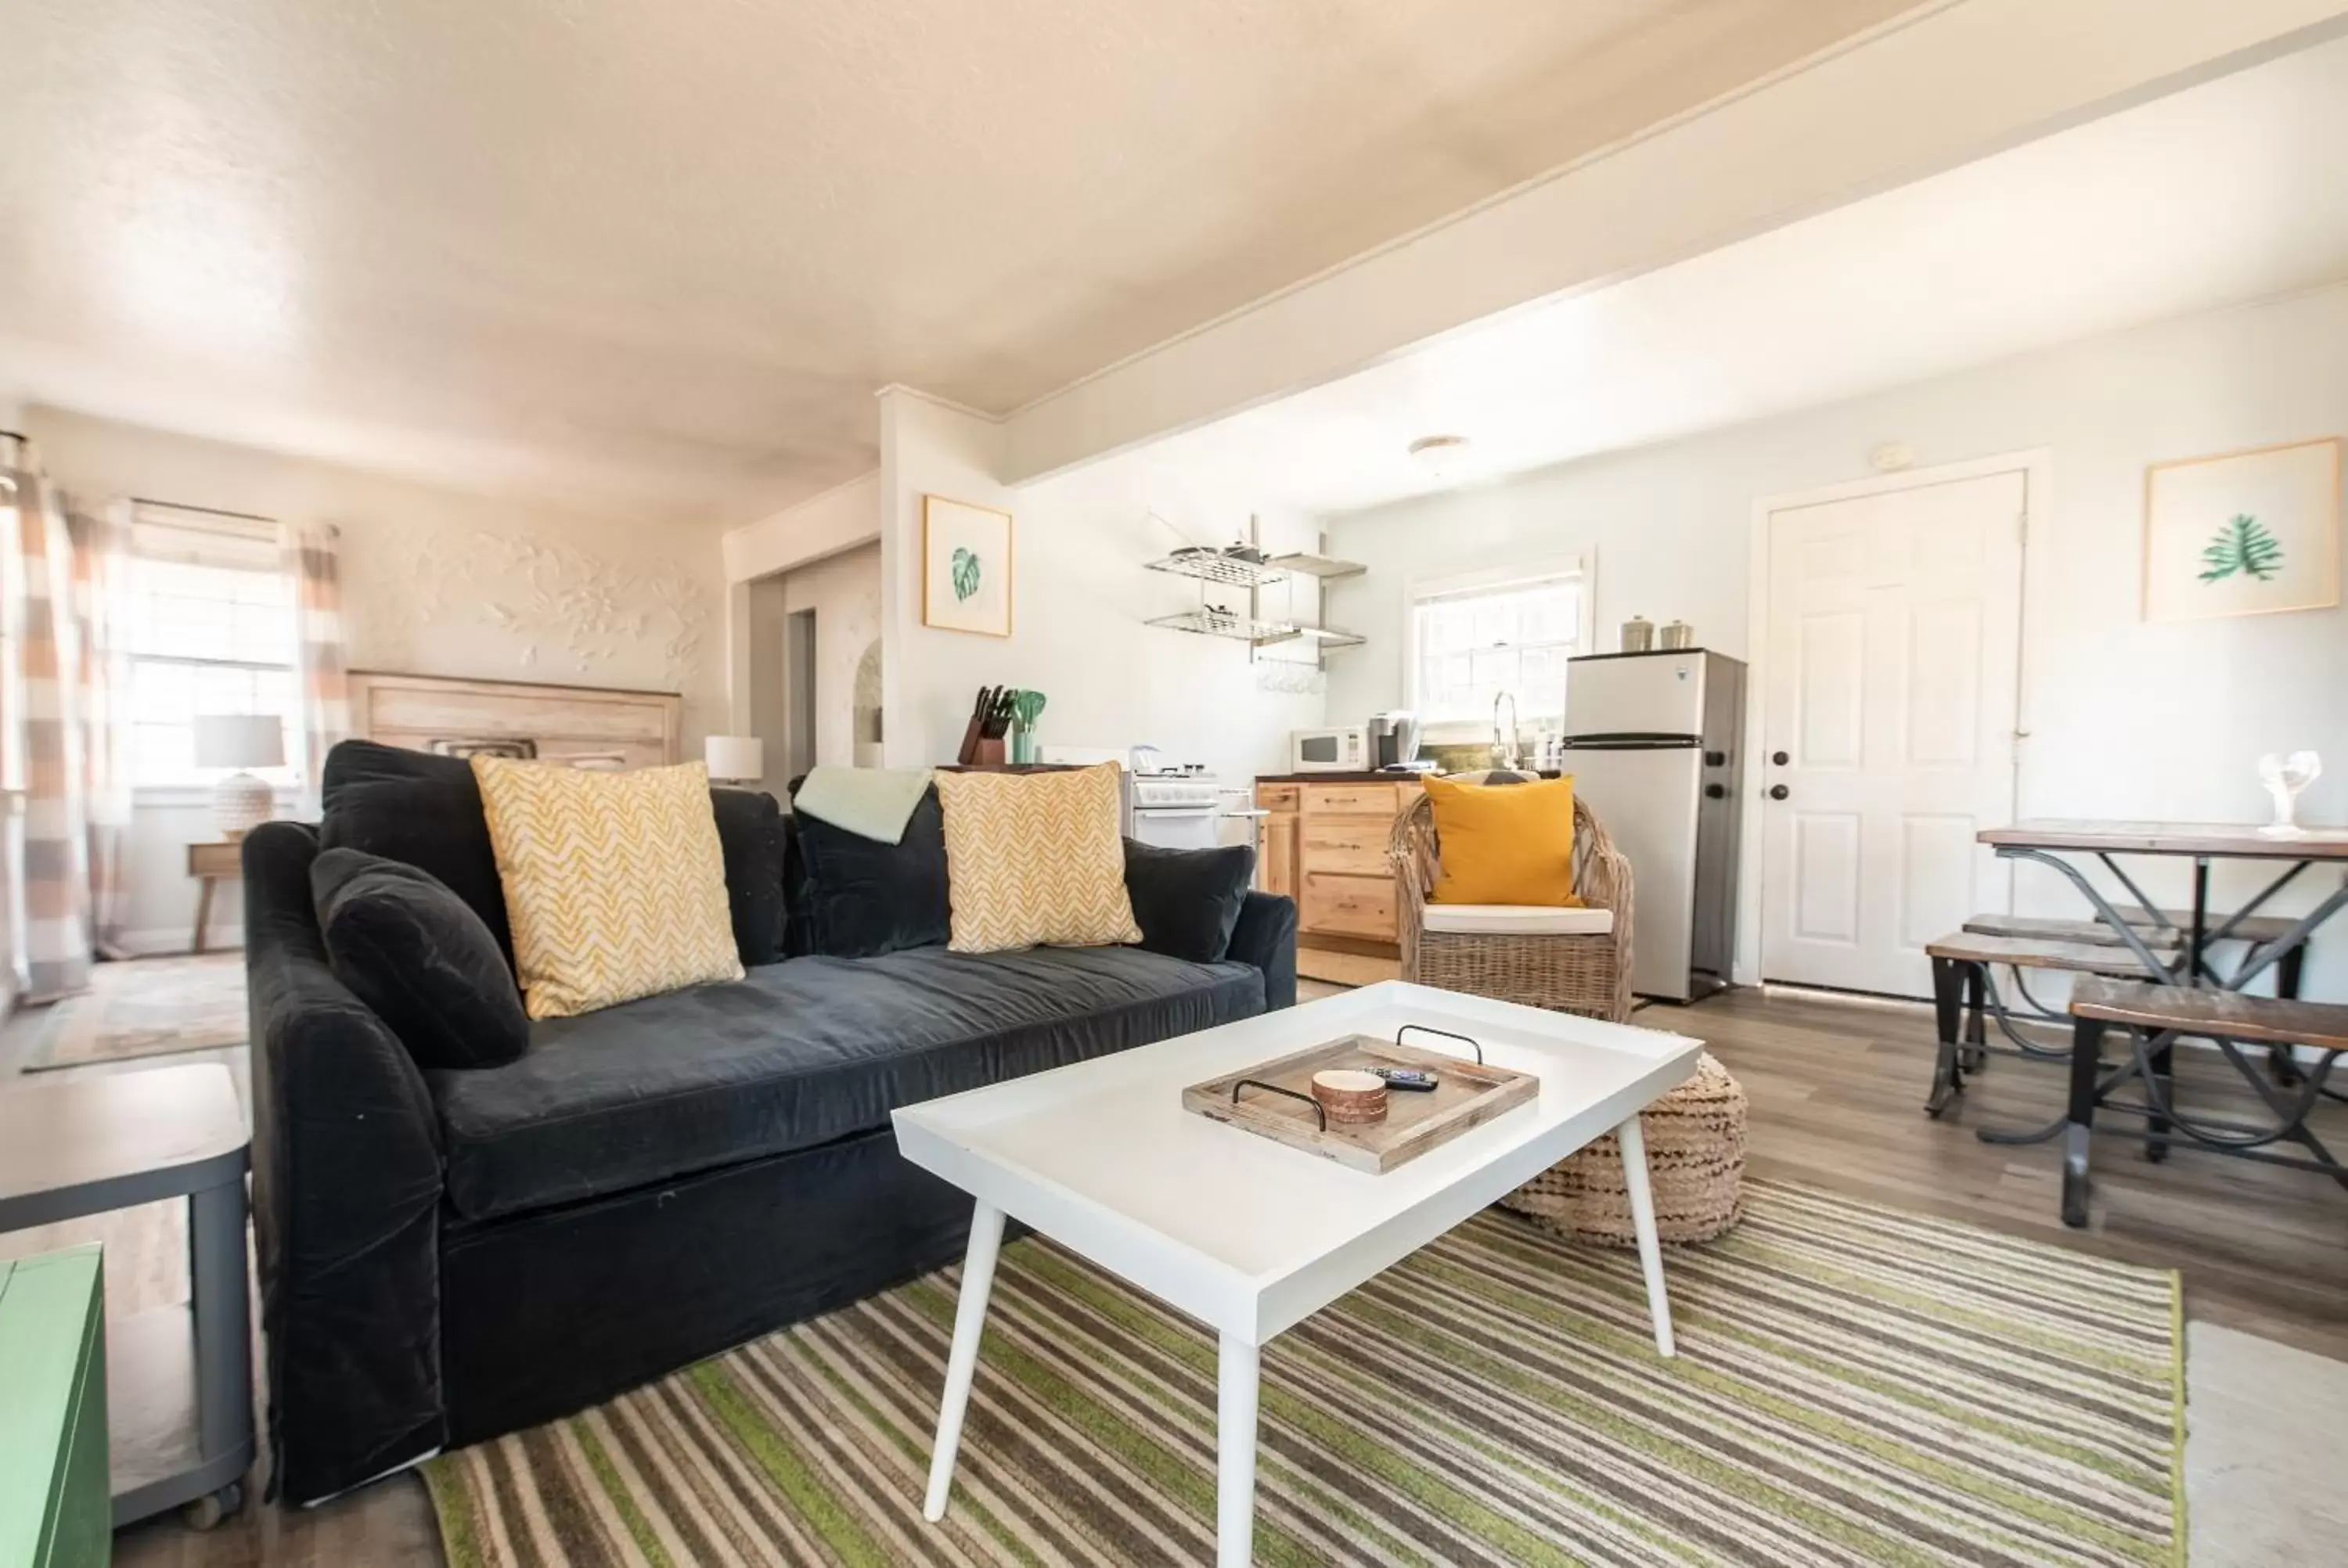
(211, 631)
(1512, 630)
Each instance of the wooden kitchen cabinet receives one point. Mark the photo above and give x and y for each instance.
(1350, 843)
(1275, 858)
(1325, 844)
(1335, 905)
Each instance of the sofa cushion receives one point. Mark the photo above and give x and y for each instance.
(615, 882)
(1187, 901)
(1034, 859)
(751, 837)
(797, 1054)
(420, 810)
(426, 810)
(421, 961)
(858, 897)
(1515, 920)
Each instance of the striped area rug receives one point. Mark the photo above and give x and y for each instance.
(1855, 1385)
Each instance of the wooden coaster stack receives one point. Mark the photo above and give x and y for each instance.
(1348, 1094)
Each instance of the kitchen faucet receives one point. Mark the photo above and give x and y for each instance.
(1504, 751)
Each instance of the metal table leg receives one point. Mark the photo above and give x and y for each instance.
(2086, 1046)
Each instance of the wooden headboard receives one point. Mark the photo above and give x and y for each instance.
(590, 726)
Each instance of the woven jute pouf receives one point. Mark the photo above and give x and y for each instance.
(1695, 1165)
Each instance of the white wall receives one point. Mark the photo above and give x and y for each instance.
(2129, 719)
(1081, 597)
(844, 592)
(435, 582)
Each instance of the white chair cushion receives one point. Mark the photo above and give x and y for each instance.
(1515, 920)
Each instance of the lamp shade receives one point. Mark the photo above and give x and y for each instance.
(734, 756)
(240, 741)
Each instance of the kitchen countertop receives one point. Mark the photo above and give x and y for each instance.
(1357, 775)
(1365, 777)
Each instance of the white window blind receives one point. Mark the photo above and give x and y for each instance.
(211, 631)
(1475, 639)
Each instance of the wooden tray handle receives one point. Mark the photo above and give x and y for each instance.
(1319, 1114)
(1445, 1034)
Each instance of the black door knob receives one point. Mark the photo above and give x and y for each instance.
(1716, 791)
(1778, 792)
(1780, 758)
(1715, 759)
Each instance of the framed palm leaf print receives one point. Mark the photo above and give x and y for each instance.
(2244, 533)
(965, 567)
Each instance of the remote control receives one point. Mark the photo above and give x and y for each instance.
(1409, 1078)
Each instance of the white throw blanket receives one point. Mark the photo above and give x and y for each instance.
(872, 803)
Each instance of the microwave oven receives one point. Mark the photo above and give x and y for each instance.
(1331, 751)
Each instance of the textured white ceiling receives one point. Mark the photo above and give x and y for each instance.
(664, 253)
(2233, 189)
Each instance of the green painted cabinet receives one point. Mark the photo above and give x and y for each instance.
(53, 1508)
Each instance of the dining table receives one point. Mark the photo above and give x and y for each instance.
(2286, 859)
(2045, 841)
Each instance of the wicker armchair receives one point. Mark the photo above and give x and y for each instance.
(1590, 975)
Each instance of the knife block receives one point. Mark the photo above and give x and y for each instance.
(979, 751)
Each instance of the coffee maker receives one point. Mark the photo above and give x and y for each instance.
(1394, 741)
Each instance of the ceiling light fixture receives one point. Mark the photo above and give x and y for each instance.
(1441, 455)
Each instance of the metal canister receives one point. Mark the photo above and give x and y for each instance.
(1678, 634)
(1638, 634)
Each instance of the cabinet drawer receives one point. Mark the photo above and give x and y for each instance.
(1376, 799)
(1355, 845)
(1276, 797)
(1348, 905)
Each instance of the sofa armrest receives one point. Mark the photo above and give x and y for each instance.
(347, 1195)
(1266, 938)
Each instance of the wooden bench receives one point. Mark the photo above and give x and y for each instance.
(2226, 1015)
(2170, 928)
(2159, 1014)
(1961, 965)
(2158, 927)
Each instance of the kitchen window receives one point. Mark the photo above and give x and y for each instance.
(1477, 636)
(211, 631)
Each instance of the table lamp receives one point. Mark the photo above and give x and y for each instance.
(241, 802)
(735, 759)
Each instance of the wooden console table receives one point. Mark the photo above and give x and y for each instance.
(211, 864)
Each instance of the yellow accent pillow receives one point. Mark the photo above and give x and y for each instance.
(1504, 844)
(1034, 860)
(614, 883)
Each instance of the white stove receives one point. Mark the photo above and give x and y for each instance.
(1177, 808)
(1171, 806)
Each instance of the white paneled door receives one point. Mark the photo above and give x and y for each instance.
(1894, 647)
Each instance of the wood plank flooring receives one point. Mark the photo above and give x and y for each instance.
(1836, 1087)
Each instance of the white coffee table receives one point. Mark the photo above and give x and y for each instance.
(1250, 1237)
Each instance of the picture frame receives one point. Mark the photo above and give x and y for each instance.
(2252, 532)
(967, 569)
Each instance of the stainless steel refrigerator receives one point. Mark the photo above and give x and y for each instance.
(1655, 745)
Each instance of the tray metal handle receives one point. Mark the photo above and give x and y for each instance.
(1445, 1034)
(1319, 1114)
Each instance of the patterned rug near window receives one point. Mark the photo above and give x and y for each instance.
(145, 1006)
(1855, 1385)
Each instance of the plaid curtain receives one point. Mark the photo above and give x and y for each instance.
(44, 689)
(321, 694)
(101, 566)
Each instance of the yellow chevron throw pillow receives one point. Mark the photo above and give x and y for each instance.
(1034, 860)
(615, 886)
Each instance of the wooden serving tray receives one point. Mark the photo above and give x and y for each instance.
(1467, 1094)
